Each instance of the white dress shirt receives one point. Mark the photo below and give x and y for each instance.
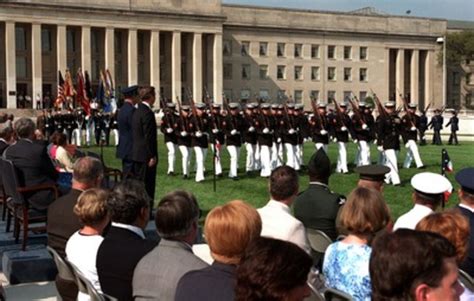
(138, 231)
(410, 219)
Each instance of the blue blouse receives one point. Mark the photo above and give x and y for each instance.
(346, 268)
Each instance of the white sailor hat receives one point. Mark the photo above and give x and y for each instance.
(362, 104)
(412, 105)
(265, 106)
(429, 183)
(321, 105)
(185, 107)
(250, 106)
(233, 105)
(390, 104)
(171, 105)
(299, 106)
(200, 105)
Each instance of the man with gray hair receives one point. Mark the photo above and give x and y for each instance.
(62, 222)
(6, 136)
(33, 165)
(157, 274)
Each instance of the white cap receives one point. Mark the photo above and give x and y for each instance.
(431, 183)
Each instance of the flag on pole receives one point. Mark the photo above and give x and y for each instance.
(446, 163)
(69, 91)
(60, 98)
(100, 97)
(88, 86)
(81, 96)
(110, 84)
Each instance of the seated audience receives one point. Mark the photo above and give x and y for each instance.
(157, 274)
(346, 262)
(6, 136)
(62, 222)
(125, 243)
(228, 229)
(372, 176)
(32, 163)
(273, 269)
(429, 194)
(277, 220)
(317, 207)
(414, 265)
(82, 246)
(465, 178)
(58, 153)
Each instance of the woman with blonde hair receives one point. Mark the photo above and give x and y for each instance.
(229, 229)
(346, 262)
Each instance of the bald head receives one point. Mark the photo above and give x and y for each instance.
(88, 172)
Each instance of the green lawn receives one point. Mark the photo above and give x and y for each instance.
(254, 189)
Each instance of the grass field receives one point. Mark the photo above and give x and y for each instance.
(254, 189)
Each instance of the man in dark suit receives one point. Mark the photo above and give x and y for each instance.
(124, 119)
(465, 178)
(33, 165)
(144, 151)
(454, 123)
(63, 222)
(317, 207)
(125, 243)
(6, 136)
(436, 124)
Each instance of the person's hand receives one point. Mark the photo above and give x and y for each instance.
(291, 131)
(39, 135)
(215, 131)
(334, 139)
(169, 130)
(380, 148)
(152, 162)
(279, 140)
(266, 131)
(234, 132)
(407, 145)
(199, 134)
(364, 126)
(323, 132)
(355, 141)
(413, 128)
(184, 133)
(251, 129)
(343, 129)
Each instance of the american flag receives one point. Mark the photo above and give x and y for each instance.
(446, 163)
(60, 98)
(81, 96)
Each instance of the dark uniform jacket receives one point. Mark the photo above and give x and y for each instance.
(468, 264)
(185, 124)
(265, 122)
(234, 122)
(454, 122)
(410, 127)
(436, 123)
(317, 208)
(362, 133)
(3, 147)
(117, 258)
(389, 132)
(170, 120)
(290, 123)
(316, 129)
(250, 136)
(124, 119)
(144, 131)
(217, 122)
(302, 125)
(216, 282)
(201, 124)
(337, 124)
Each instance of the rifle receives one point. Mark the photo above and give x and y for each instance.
(226, 107)
(316, 114)
(194, 110)
(427, 108)
(380, 108)
(181, 117)
(165, 111)
(357, 112)
(339, 116)
(409, 114)
(207, 100)
(287, 116)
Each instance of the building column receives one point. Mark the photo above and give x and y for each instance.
(155, 60)
(429, 78)
(36, 63)
(399, 74)
(10, 64)
(132, 57)
(176, 66)
(197, 67)
(110, 52)
(85, 49)
(61, 48)
(415, 76)
(217, 68)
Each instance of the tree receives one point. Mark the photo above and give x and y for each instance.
(459, 47)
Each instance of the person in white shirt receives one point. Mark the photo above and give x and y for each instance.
(429, 194)
(277, 220)
(82, 246)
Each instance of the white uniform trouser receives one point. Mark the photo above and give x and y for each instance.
(412, 153)
(88, 134)
(381, 158)
(341, 158)
(364, 153)
(186, 158)
(299, 154)
(171, 155)
(277, 155)
(250, 161)
(258, 164)
(201, 153)
(391, 162)
(265, 160)
(324, 146)
(115, 133)
(76, 137)
(292, 156)
(217, 159)
(234, 152)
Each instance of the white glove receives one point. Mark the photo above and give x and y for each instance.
(334, 139)
(251, 129)
(380, 148)
(407, 145)
(291, 131)
(279, 140)
(323, 132)
(199, 134)
(234, 132)
(413, 128)
(215, 131)
(184, 133)
(355, 141)
(169, 130)
(266, 131)
(343, 129)
(364, 126)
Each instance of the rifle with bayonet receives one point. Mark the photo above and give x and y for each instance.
(380, 107)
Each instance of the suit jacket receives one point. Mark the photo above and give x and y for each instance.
(277, 222)
(62, 222)
(468, 264)
(33, 167)
(317, 208)
(124, 120)
(117, 258)
(157, 274)
(3, 146)
(144, 133)
(216, 282)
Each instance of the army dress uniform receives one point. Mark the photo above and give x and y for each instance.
(169, 128)
(302, 130)
(411, 123)
(362, 129)
(278, 133)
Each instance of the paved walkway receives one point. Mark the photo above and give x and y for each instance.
(29, 291)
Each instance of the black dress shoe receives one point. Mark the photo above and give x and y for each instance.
(219, 175)
(235, 178)
(185, 177)
(171, 174)
(422, 167)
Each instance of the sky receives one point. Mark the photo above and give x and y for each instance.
(445, 9)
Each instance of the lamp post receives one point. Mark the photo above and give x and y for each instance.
(443, 41)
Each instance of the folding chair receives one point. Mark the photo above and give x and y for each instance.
(64, 269)
(108, 172)
(466, 280)
(331, 294)
(319, 242)
(86, 287)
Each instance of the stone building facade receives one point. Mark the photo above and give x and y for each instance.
(201, 48)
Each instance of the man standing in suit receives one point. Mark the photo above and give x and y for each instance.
(125, 243)
(157, 274)
(63, 222)
(144, 150)
(277, 221)
(436, 124)
(454, 123)
(33, 165)
(465, 178)
(124, 119)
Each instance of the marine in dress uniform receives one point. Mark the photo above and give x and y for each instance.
(289, 130)
(185, 128)
(250, 138)
(58, 122)
(465, 178)
(389, 141)
(411, 123)
(200, 140)
(423, 127)
(342, 126)
(217, 124)
(265, 139)
(278, 133)
(436, 124)
(454, 123)
(69, 124)
(98, 120)
(114, 127)
(233, 131)
(362, 136)
(49, 125)
(320, 127)
(107, 124)
(79, 119)
(169, 128)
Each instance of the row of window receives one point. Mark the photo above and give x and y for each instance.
(297, 50)
(298, 95)
(281, 73)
